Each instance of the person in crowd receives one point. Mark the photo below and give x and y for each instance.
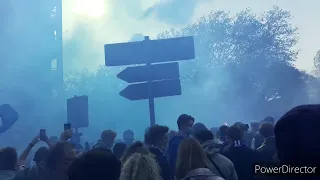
(118, 149)
(58, 161)
(26, 152)
(8, 163)
(268, 147)
(240, 154)
(128, 137)
(192, 162)
(87, 147)
(95, 165)
(157, 142)
(140, 165)
(106, 141)
(223, 135)
(41, 170)
(215, 131)
(40, 156)
(219, 164)
(199, 127)
(185, 125)
(297, 139)
(258, 138)
(131, 150)
(252, 133)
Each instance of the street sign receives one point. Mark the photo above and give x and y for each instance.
(151, 51)
(141, 73)
(154, 80)
(159, 89)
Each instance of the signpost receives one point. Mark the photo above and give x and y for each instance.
(151, 80)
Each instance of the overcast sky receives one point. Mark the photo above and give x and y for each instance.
(118, 20)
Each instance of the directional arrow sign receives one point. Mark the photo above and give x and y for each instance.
(159, 89)
(158, 72)
(151, 51)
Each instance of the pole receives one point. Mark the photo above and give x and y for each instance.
(150, 92)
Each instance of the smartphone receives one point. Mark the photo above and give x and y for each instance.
(67, 126)
(43, 134)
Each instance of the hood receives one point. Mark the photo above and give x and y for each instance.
(212, 146)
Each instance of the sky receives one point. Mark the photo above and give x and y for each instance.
(113, 21)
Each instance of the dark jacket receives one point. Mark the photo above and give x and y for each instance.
(202, 174)
(162, 160)
(243, 159)
(223, 166)
(268, 150)
(173, 149)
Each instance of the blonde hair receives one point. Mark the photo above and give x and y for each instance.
(140, 166)
(190, 156)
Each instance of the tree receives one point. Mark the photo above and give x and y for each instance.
(316, 62)
(242, 71)
(253, 55)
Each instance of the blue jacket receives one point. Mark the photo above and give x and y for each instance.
(172, 150)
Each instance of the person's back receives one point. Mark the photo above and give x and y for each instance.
(95, 165)
(140, 166)
(220, 164)
(192, 162)
(8, 163)
(241, 155)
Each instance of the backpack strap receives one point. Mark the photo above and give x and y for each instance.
(217, 167)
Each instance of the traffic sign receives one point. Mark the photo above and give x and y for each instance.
(159, 89)
(155, 80)
(151, 51)
(141, 73)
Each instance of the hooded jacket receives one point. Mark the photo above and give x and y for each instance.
(226, 168)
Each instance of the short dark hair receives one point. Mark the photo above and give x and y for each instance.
(41, 155)
(199, 127)
(223, 130)
(183, 118)
(235, 133)
(204, 135)
(8, 158)
(266, 129)
(56, 153)
(128, 132)
(269, 119)
(155, 134)
(98, 165)
(118, 149)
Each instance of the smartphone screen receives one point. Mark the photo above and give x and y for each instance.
(42, 134)
(67, 126)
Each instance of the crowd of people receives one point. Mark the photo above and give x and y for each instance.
(193, 153)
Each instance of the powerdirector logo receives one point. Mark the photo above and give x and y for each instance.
(287, 170)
